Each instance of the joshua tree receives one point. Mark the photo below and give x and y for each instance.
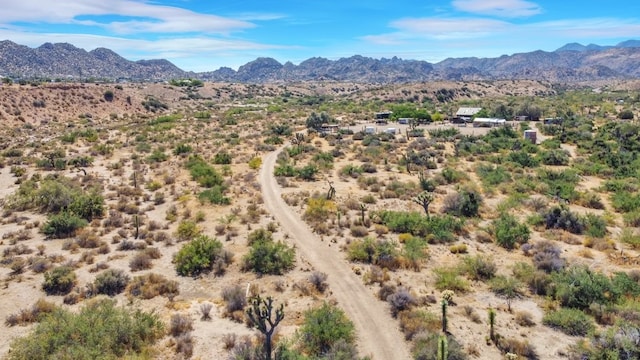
(424, 199)
(332, 191)
(260, 314)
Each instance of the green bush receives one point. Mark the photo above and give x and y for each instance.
(214, 195)
(111, 282)
(425, 347)
(203, 173)
(182, 149)
(63, 225)
(563, 218)
(492, 176)
(465, 203)
(379, 252)
(479, 267)
(222, 158)
(269, 257)
(555, 157)
(436, 229)
(99, 331)
(59, 281)
(187, 230)
(197, 256)
(570, 321)
(509, 231)
(578, 287)
(323, 327)
(449, 279)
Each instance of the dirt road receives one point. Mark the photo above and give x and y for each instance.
(378, 334)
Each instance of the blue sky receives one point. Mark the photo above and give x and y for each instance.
(203, 35)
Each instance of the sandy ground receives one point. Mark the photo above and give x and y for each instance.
(372, 320)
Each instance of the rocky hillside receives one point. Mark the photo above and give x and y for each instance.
(66, 61)
(570, 63)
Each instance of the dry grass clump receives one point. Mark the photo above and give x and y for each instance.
(30, 315)
(319, 281)
(151, 285)
(471, 313)
(205, 311)
(236, 300)
(416, 321)
(524, 318)
(180, 324)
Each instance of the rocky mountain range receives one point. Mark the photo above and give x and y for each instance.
(570, 63)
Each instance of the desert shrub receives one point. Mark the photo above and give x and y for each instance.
(400, 300)
(214, 195)
(555, 157)
(269, 257)
(578, 287)
(197, 256)
(596, 226)
(617, 342)
(415, 251)
(425, 347)
(451, 176)
(318, 280)
(626, 284)
(570, 321)
(523, 158)
(464, 203)
(63, 225)
(492, 176)
(546, 256)
(180, 324)
(479, 267)
(32, 314)
(509, 231)
(184, 345)
(222, 158)
(449, 279)
(100, 330)
(521, 348)
(111, 282)
(323, 327)
(59, 281)
(141, 261)
(235, 297)
(182, 149)
(151, 285)
(560, 184)
(436, 229)
(524, 318)
(203, 173)
(378, 252)
(565, 219)
(416, 321)
(187, 230)
(319, 209)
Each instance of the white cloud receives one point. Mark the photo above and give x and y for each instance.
(589, 28)
(501, 8)
(449, 28)
(146, 16)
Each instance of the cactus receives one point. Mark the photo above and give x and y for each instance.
(444, 305)
(492, 324)
(443, 348)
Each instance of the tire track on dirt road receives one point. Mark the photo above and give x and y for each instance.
(377, 332)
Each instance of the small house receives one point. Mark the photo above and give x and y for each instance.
(488, 122)
(465, 114)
